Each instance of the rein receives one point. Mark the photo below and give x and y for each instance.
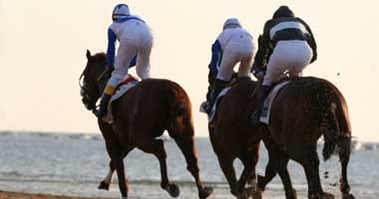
(83, 90)
(102, 75)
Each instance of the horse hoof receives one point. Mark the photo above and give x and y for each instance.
(292, 194)
(243, 195)
(205, 192)
(173, 190)
(347, 196)
(326, 195)
(257, 194)
(249, 190)
(103, 186)
(260, 182)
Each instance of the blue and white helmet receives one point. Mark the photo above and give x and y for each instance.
(232, 23)
(120, 11)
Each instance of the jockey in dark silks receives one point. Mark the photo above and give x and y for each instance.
(288, 45)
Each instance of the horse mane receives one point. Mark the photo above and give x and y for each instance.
(101, 56)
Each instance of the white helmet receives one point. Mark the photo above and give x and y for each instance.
(232, 23)
(120, 11)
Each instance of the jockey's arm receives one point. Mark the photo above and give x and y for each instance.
(311, 40)
(216, 54)
(111, 49)
(260, 59)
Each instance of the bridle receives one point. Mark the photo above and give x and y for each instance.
(86, 97)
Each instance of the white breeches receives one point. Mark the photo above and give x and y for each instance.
(137, 43)
(293, 56)
(233, 53)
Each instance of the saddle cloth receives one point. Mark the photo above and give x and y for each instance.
(214, 107)
(266, 109)
(126, 84)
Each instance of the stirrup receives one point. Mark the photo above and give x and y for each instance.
(204, 107)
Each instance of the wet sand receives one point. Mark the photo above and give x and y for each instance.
(141, 191)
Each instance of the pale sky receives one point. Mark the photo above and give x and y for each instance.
(43, 45)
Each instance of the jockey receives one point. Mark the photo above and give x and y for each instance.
(288, 42)
(134, 48)
(233, 45)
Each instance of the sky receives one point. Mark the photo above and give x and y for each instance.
(43, 45)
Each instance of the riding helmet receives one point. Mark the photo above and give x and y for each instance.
(120, 11)
(283, 11)
(231, 23)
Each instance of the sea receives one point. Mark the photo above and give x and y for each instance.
(74, 164)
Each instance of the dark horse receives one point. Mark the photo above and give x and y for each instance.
(304, 110)
(142, 115)
(233, 138)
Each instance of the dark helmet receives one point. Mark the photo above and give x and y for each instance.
(120, 11)
(283, 11)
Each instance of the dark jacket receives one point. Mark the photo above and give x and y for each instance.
(282, 29)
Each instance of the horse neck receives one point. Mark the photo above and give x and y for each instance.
(101, 84)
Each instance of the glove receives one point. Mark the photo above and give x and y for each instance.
(257, 71)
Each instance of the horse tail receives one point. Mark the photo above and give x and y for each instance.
(180, 108)
(336, 125)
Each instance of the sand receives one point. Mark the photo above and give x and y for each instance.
(14, 195)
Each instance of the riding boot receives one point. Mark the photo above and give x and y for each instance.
(107, 95)
(262, 94)
(218, 86)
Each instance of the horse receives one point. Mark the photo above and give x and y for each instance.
(140, 117)
(232, 137)
(303, 110)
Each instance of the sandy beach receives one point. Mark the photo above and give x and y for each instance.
(15, 195)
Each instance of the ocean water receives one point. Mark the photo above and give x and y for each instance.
(73, 164)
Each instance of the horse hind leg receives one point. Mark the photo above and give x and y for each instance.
(286, 179)
(185, 142)
(156, 147)
(311, 168)
(344, 155)
(271, 167)
(248, 174)
(227, 168)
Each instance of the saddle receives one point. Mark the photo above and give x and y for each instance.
(266, 109)
(233, 82)
(123, 87)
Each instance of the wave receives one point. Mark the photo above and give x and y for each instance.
(356, 145)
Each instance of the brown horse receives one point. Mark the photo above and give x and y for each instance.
(304, 110)
(142, 115)
(233, 137)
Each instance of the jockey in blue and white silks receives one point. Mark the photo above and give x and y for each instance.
(233, 45)
(288, 44)
(135, 44)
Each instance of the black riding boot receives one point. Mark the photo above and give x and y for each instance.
(216, 89)
(103, 105)
(262, 94)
